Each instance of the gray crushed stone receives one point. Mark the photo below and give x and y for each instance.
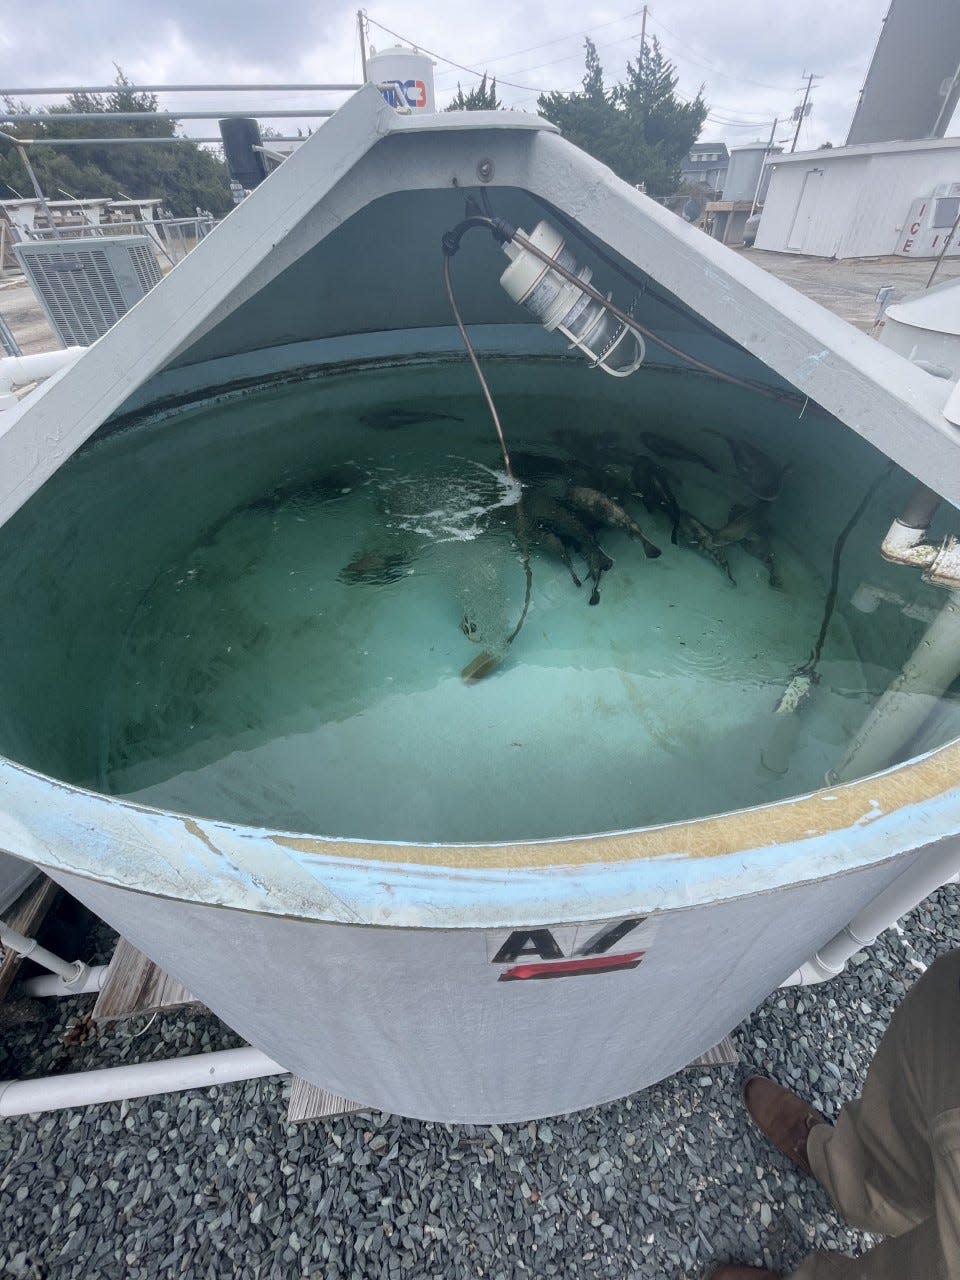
(663, 1185)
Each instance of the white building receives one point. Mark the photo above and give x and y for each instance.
(864, 201)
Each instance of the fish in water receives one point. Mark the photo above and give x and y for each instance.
(375, 565)
(652, 484)
(393, 419)
(741, 523)
(664, 447)
(534, 468)
(598, 562)
(756, 470)
(697, 534)
(607, 512)
(312, 489)
(549, 542)
(547, 515)
(756, 545)
(589, 446)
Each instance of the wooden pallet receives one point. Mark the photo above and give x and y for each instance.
(135, 984)
(310, 1102)
(723, 1054)
(26, 916)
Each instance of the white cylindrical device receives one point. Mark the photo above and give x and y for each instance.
(559, 304)
(404, 77)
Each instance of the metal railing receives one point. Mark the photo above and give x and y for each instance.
(173, 237)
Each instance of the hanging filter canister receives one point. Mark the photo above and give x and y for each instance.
(560, 305)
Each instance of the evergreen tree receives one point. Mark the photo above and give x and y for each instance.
(181, 174)
(481, 98)
(640, 128)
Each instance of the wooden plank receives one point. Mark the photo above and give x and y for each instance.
(310, 1102)
(723, 1054)
(134, 984)
(26, 916)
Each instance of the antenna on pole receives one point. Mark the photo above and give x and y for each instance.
(362, 32)
(800, 113)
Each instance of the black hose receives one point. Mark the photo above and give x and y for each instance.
(809, 668)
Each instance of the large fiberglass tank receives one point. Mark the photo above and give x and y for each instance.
(474, 784)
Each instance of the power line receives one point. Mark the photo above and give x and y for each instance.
(635, 13)
(439, 56)
(709, 66)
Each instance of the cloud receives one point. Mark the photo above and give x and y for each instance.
(749, 64)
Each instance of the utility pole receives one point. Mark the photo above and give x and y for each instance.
(361, 28)
(643, 35)
(768, 149)
(802, 110)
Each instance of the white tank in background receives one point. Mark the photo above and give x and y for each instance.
(926, 329)
(404, 77)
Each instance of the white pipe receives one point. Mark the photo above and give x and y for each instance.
(49, 984)
(114, 1084)
(67, 970)
(909, 699)
(906, 892)
(18, 371)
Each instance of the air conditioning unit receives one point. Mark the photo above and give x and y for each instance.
(85, 285)
(930, 222)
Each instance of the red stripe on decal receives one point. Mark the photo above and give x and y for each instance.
(570, 968)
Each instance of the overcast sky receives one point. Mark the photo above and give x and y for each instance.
(750, 56)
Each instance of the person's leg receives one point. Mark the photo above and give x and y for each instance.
(915, 1255)
(875, 1163)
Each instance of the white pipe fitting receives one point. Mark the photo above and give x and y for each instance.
(20, 371)
(115, 1084)
(906, 545)
(906, 892)
(89, 982)
(68, 971)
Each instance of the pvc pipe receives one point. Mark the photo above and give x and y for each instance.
(49, 984)
(115, 1084)
(67, 970)
(909, 699)
(17, 371)
(906, 892)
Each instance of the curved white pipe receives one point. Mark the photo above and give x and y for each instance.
(49, 984)
(906, 892)
(18, 371)
(909, 698)
(114, 1084)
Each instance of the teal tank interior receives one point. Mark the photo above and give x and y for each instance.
(260, 607)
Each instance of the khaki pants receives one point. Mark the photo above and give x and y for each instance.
(892, 1163)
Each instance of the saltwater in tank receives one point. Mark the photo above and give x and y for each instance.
(271, 600)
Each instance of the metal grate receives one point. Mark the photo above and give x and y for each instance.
(85, 285)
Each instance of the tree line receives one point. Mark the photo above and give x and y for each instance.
(182, 174)
(640, 127)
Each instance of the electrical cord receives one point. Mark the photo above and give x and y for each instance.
(810, 666)
(477, 669)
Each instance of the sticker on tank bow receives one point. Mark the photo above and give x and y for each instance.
(567, 951)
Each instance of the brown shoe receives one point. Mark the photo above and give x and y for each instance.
(785, 1118)
(744, 1273)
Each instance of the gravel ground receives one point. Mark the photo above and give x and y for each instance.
(659, 1186)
